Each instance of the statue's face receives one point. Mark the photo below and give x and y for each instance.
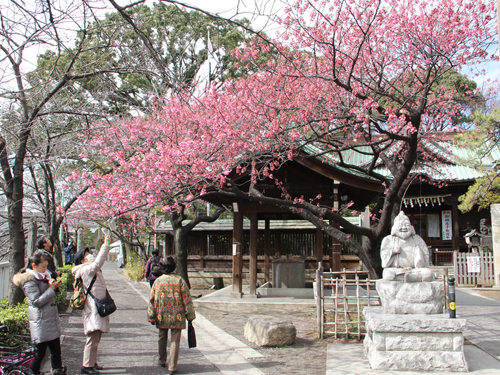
(404, 229)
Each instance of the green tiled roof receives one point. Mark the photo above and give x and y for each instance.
(455, 166)
(332, 161)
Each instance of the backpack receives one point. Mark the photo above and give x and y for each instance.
(155, 266)
(77, 301)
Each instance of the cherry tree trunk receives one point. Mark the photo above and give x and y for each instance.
(181, 253)
(17, 242)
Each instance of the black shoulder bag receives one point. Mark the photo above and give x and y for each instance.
(105, 306)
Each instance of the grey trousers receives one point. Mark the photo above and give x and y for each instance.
(175, 339)
(90, 349)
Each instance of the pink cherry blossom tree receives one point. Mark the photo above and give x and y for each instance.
(357, 76)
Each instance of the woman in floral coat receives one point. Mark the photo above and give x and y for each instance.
(169, 306)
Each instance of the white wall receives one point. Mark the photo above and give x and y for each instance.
(4, 279)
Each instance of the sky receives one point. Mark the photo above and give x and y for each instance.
(258, 11)
(249, 9)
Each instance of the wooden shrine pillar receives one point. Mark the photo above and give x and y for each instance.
(319, 245)
(336, 245)
(202, 241)
(254, 232)
(336, 251)
(455, 225)
(267, 249)
(237, 254)
(277, 244)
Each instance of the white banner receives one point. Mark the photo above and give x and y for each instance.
(473, 265)
(447, 228)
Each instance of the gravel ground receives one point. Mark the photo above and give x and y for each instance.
(306, 356)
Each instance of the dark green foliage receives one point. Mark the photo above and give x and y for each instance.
(15, 317)
(61, 299)
(169, 62)
(484, 192)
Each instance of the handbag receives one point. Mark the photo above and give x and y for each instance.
(105, 306)
(191, 335)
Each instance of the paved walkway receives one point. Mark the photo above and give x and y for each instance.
(131, 346)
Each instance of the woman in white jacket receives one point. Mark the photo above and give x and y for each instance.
(93, 324)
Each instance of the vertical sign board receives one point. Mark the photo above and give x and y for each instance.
(447, 228)
(473, 265)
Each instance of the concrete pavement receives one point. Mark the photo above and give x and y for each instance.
(482, 349)
(131, 346)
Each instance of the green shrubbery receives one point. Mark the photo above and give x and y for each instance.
(15, 318)
(66, 284)
(135, 267)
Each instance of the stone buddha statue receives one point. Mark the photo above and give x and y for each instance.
(404, 254)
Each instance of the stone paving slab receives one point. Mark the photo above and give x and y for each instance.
(480, 362)
(483, 320)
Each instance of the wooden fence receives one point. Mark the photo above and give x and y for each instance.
(474, 268)
(340, 297)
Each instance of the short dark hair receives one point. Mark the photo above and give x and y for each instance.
(41, 242)
(167, 264)
(155, 252)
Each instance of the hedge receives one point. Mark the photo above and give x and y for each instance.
(15, 318)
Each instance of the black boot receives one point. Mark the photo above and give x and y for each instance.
(89, 370)
(59, 371)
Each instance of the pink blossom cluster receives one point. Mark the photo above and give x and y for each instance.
(344, 73)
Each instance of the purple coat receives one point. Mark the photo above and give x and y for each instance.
(147, 272)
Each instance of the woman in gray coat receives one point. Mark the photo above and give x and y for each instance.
(40, 290)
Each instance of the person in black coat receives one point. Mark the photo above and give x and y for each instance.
(45, 245)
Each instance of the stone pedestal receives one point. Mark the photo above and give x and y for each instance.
(398, 297)
(415, 342)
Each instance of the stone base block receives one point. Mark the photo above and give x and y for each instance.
(266, 330)
(414, 342)
(398, 297)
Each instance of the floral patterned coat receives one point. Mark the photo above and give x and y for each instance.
(170, 303)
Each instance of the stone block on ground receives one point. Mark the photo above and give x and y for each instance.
(264, 330)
